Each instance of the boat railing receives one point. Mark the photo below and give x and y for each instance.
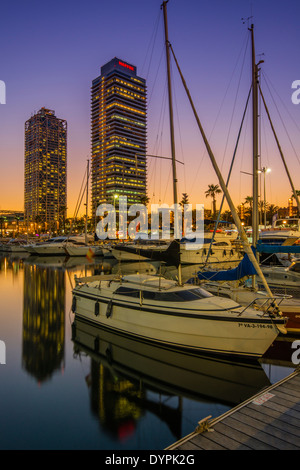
(99, 277)
(268, 305)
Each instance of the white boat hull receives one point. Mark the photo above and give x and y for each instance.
(73, 250)
(16, 249)
(47, 249)
(211, 330)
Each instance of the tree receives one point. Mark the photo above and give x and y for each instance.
(144, 200)
(227, 215)
(297, 194)
(271, 211)
(184, 200)
(297, 191)
(213, 189)
(249, 200)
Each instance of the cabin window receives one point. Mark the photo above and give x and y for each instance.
(128, 292)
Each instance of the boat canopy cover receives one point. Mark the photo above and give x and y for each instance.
(245, 268)
(264, 248)
(171, 255)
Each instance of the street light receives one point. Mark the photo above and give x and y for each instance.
(265, 170)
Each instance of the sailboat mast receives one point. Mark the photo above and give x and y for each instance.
(87, 198)
(175, 197)
(235, 216)
(255, 143)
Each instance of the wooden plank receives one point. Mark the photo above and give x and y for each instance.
(224, 440)
(281, 413)
(281, 438)
(268, 421)
(292, 386)
(190, 445)
(207, 444)
(290, 430)
(286, 398)
(238, 440)
(248, 432)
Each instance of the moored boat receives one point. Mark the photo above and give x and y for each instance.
(159, 310)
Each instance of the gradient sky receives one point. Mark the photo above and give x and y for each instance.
(51, 52)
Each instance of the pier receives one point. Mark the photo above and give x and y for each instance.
(269, 420)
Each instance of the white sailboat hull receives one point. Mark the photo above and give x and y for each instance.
(212, 328)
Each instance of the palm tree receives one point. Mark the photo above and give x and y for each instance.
(144, 200)
(213, 189)
(249, 200)
(297, 191)
(271, 211)
(184, 200)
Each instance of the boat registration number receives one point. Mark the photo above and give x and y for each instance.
(254, 325)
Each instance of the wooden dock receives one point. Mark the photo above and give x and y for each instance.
(268, 421)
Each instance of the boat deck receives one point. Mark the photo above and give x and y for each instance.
(268, 421)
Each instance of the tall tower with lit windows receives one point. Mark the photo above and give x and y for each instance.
(45, 191)
(119, 135)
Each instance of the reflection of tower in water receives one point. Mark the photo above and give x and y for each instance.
(120, 403)
(43, 320)
(114, 401)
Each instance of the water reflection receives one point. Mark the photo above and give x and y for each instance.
(142, 396)
(43, 320)
(128, 377)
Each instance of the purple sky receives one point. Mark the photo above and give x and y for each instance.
(51, 52)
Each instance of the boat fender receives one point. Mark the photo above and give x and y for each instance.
(224, 252)
(97, 309)
(96, 344)
(73, 329)
(108, 354)
(74, 304)
(109, 309)
(231, 252)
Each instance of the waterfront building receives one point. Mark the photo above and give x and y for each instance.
(11, 222)
(45, 192)
(118, 128)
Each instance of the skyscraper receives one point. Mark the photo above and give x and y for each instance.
(118, 135)
(45, 170)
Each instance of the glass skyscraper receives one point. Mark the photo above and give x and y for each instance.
(119, 135)
(45, 170)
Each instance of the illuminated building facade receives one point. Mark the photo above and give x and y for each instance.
(45, 169)
(118, 135)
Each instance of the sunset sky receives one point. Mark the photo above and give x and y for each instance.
(51, 52)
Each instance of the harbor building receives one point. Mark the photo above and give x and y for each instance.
(119, 135)
(45, 192)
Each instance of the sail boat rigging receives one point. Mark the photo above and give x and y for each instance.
(154, 309)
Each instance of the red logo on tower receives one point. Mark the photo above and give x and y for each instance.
(126, 65)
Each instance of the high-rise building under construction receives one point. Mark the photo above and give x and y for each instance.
(119, 135)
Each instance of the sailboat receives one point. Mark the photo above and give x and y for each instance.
(173, 314)
(82, 246)
(282, 279)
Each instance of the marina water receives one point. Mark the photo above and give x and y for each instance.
(67, 385)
